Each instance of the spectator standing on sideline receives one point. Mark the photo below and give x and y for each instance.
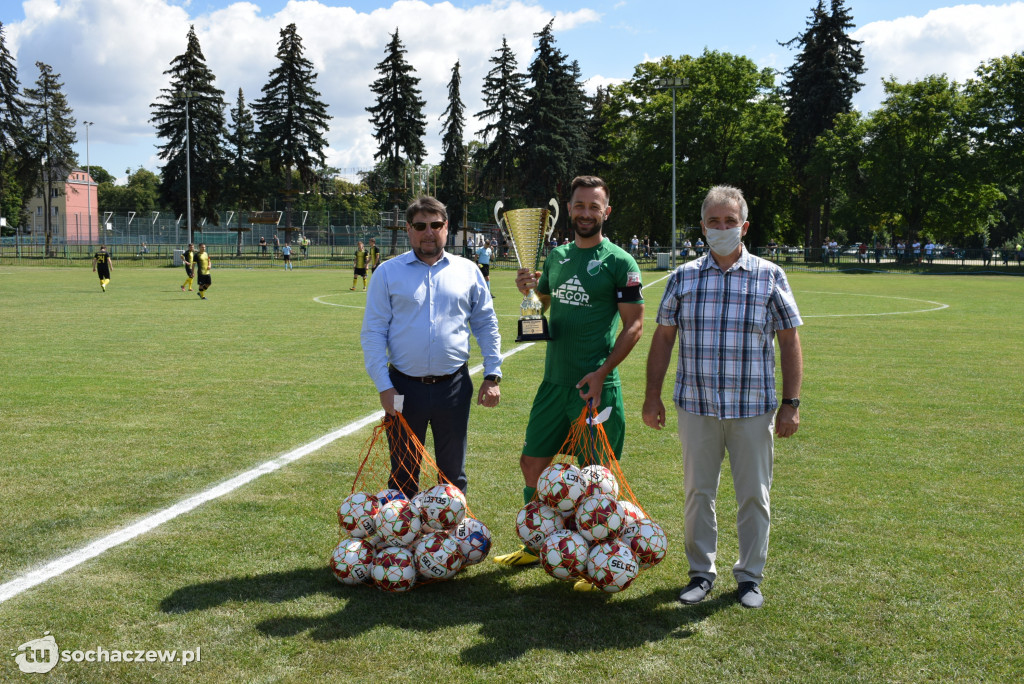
(277, 244)
(727, 309)
(411, 351)
(483, 259)
(263, 244)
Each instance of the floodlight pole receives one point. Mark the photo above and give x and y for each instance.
(88, 179)
(674, 83)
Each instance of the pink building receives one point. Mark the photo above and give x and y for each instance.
(72, 207)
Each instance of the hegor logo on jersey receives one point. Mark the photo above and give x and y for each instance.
(572, 292)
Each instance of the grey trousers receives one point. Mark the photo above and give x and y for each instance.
(750, 443)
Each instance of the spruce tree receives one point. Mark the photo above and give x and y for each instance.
(397, 118)
(292, 120)
(451, 189)
(555, 113)
(505, 100)
(192, 98)
(241, 173)
(51, 128)
(12, 134)
(819, 85)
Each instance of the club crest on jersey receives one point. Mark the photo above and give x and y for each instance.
(594, 267)
(571, 292)
(632, 278)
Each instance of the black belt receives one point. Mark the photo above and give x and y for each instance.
(428, 379)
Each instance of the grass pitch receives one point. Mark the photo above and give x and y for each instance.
(897, 526)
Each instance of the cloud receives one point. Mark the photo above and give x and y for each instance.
(112, 55)
(952, 41)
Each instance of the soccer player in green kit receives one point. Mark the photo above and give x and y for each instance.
(587, 286)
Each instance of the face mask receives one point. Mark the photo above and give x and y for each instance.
(724, 242)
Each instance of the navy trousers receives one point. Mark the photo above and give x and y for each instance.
(445, 408)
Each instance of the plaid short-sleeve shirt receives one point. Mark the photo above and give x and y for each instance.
(726, 326)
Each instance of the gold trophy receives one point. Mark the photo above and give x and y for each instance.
(528, 230)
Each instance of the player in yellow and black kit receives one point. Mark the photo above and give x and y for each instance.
(189, 259)
(203, 264)
(360, 270)
(102, 264)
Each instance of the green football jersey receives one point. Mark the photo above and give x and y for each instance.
(585, 287)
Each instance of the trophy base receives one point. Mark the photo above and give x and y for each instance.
(533, 330)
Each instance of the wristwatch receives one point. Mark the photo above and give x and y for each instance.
(496, 379)
(795, 403)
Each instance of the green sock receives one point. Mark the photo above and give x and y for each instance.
(528, 493)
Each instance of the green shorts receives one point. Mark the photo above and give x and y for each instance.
(556, 408)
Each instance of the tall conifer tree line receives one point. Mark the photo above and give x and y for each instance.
(937, 158)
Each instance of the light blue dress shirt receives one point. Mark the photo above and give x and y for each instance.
(419, 318)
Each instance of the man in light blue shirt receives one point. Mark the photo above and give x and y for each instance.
(420, 310)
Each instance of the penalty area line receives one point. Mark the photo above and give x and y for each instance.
(59, 566)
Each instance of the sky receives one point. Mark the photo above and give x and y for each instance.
(111, 54)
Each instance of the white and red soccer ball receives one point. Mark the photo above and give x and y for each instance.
(398, 522)
(647, 540)
(474, 540)
(564, 554)
(351, 561)
(611, 566)
(442, 507)
(535, 523)
(356, 514)
(394, 569)
(561, 486)
(600, 480)
(633, 512)
(438, 556)
(600, 518)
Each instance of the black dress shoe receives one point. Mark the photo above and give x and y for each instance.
(750, 595)
(696, 591)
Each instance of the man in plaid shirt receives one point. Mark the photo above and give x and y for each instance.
(727, 308)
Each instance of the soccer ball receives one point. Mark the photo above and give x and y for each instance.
(351, 561)
(438, 556)
(611, 566)
(356, 514)
(443, 507)
(385, 495)
(375, 540)
(561, 487)
(633, 511)
(646, 540)
(564, 554)
(535, 522)
(394, 569)
(399, 522)
(599, 518)
(474, 540)
(600, 480)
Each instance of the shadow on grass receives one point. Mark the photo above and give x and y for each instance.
(512, 619)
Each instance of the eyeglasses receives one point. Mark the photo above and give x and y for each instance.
(420, 226)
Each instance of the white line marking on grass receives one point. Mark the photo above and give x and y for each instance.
(57, 567)
(939, 306)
